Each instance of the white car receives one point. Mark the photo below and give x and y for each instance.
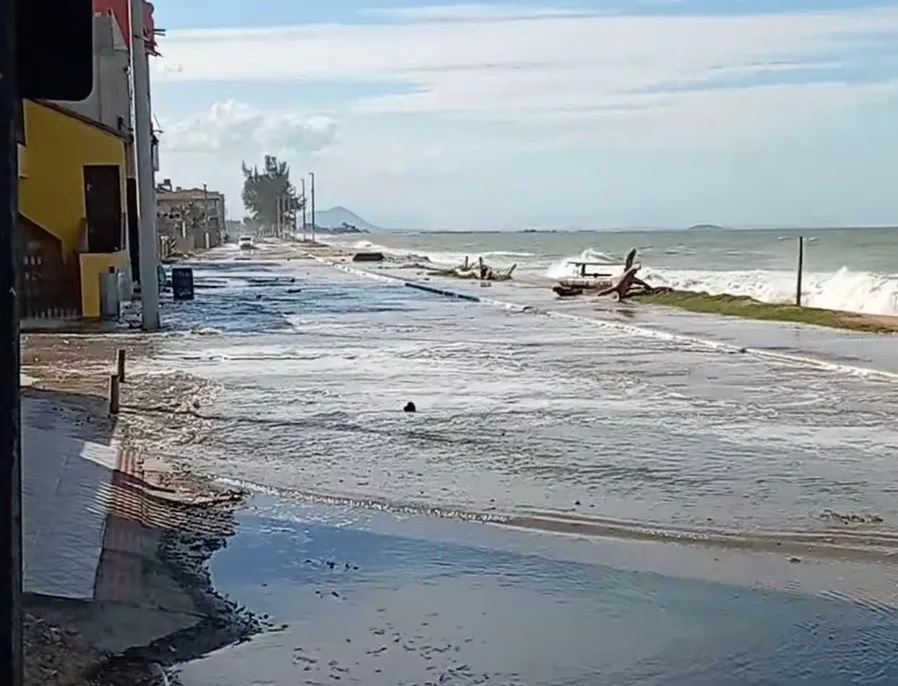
(245, 243)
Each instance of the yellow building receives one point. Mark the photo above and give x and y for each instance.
(72, 190)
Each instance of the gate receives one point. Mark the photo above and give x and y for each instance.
(49, 286)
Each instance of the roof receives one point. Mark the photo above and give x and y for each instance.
(123, 135)
(187, 194)
(120, 9)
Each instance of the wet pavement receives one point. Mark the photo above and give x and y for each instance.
(367, 598)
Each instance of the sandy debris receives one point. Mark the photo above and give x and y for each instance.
(55, 656)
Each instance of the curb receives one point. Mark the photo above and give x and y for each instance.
(440, 291)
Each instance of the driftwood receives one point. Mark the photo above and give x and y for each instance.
(479, 271)
(619, 288)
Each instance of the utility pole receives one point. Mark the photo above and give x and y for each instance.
(146, 187)
(10, 463)
(205, 208)
(312, 178)
(280, 213)
(304, 209)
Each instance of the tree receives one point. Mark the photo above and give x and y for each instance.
(268, 195)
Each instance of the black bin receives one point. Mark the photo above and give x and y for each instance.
(182, 283)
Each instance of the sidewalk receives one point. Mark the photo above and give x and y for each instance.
(114, 559)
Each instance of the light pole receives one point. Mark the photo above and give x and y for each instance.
(143, 139)
(303, 209)
(312, 180)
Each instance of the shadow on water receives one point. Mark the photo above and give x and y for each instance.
(387, 601)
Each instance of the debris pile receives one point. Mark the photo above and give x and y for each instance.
(624, 285)
(478, 270)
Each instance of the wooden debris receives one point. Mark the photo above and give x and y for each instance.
(605, 283)
(479, 271)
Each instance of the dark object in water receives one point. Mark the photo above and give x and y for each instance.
(567, 291)
(182, 283)
(368, 257)
(410, 407)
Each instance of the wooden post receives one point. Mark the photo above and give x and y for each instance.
(120, 365)
(113, 394)
(799, 271)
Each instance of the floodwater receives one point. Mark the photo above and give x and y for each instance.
(527, 414)
(564, 423)
(370, 599)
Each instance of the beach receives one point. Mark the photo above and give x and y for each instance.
(746, 463)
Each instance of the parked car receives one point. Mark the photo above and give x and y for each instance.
(245, 243)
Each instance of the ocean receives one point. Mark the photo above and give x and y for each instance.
(854, 270)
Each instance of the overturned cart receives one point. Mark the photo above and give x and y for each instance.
(624, 284)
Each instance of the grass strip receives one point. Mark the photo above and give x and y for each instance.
(749, 308)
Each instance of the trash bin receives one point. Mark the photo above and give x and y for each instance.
(110, 299)
(182, 283)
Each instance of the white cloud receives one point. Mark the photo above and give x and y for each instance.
(498, 91)
(512, 63)
(472, 12)
(238, 128)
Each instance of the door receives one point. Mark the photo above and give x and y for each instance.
(103, 206)
(133, 227)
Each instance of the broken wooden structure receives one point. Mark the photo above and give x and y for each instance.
(479, 271)
(623, 285)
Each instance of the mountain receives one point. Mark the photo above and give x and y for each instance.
(341, 220)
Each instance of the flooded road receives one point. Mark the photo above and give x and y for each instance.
(564, 425)
(367, 598)
(520, 413)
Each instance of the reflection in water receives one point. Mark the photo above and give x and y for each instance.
(365, 605)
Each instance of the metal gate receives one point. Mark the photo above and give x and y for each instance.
(49, 286)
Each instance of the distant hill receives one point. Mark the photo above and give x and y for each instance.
(706, 227)
(341, 220)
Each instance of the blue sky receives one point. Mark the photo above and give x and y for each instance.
(575, 113)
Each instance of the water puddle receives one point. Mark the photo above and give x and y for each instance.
(366, 598)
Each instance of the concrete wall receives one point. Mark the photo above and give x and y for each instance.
(110, 101)
(59, 145)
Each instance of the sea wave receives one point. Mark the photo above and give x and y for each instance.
(846, 289)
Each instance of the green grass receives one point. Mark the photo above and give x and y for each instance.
(748, 308)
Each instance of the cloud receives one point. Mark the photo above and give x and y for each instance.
(514, 63)
(752, 117)
(472, 12)
(236, 127)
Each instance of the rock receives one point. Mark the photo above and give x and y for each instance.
(410, 407)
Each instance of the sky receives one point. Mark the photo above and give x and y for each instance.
(571, 114)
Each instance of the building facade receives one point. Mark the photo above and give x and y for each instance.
(77, 191)
(189, 219)
(72, 210)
